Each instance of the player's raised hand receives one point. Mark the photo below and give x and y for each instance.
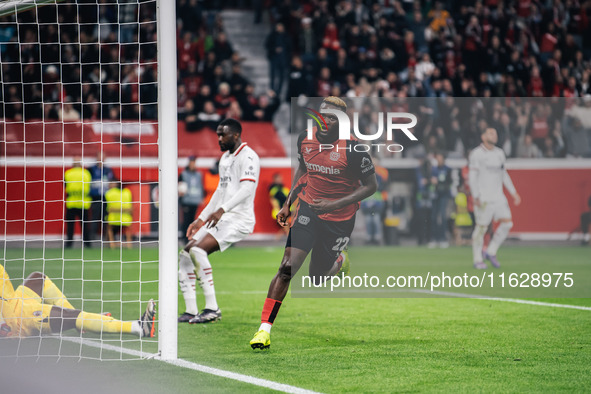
(193, 228)
(282, 216)
(214, 218)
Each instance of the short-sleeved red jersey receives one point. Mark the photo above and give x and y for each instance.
(332, 173)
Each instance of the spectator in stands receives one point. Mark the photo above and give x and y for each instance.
(222, 48)
(237, 81)
(101, 176)
(374, 207)
(268, 105)
(223, 99)
(510, 134)
(299, 79)
(307, 42)
(181, 101)
(78, 200)
(248, 102)
(49, 112)
(440, 183)
(578, 138)
(424, 200)
(68, 113)
(204, 95)
(208, 65)
(324, 83)
(119, 213)
(186, 51)
(208, 117)
(278, 46)
(526, 149)
(217, 78)
(191, 79)
(234, 112)
(189, 115)
(191, 193)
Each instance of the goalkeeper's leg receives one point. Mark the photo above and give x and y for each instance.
(62, 319)
(48, 292)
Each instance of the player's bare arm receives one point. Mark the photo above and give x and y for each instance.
(284, 213)
(369, 185)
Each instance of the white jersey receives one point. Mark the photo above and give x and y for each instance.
(239, 177)
(488, 174)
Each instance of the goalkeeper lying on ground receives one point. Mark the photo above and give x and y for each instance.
(38, 307)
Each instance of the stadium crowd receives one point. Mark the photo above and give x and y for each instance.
(462, 49)
(433, 48)
(94, 68)
(351, 48)
(86, 67)
(211, 83)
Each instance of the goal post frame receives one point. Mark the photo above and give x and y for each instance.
(167, 184)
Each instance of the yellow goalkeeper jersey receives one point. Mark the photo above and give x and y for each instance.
(6, 293)
(6, 289)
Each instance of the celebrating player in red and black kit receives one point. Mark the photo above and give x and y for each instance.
(335, 181)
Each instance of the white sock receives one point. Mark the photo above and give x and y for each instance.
(478, 242)
(498, 238)
(187, 279)
(136, 328)
(266, 327)
(203, 268)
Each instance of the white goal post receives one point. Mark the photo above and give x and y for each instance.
(168, 169)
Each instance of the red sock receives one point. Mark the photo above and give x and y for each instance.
(270, 309)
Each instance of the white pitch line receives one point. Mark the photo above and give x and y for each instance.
(240, 377)
(514, 300)
(450, 294)
(286, 388)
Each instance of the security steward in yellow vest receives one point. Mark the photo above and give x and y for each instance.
(119, 213)
(78, 201)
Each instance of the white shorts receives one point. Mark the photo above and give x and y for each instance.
(225, 232)
(487, 211)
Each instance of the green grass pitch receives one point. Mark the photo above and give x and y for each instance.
(338, 344)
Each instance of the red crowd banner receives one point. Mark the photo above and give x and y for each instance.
(123, 139)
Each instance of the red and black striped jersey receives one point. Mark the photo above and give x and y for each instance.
(332, 173)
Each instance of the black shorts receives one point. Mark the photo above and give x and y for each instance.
(326, 239)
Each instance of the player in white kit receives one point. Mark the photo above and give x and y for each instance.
(487, 176)
(227, 218)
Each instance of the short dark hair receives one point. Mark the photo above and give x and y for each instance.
(232, 124)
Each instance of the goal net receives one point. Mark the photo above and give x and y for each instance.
(80, 165)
